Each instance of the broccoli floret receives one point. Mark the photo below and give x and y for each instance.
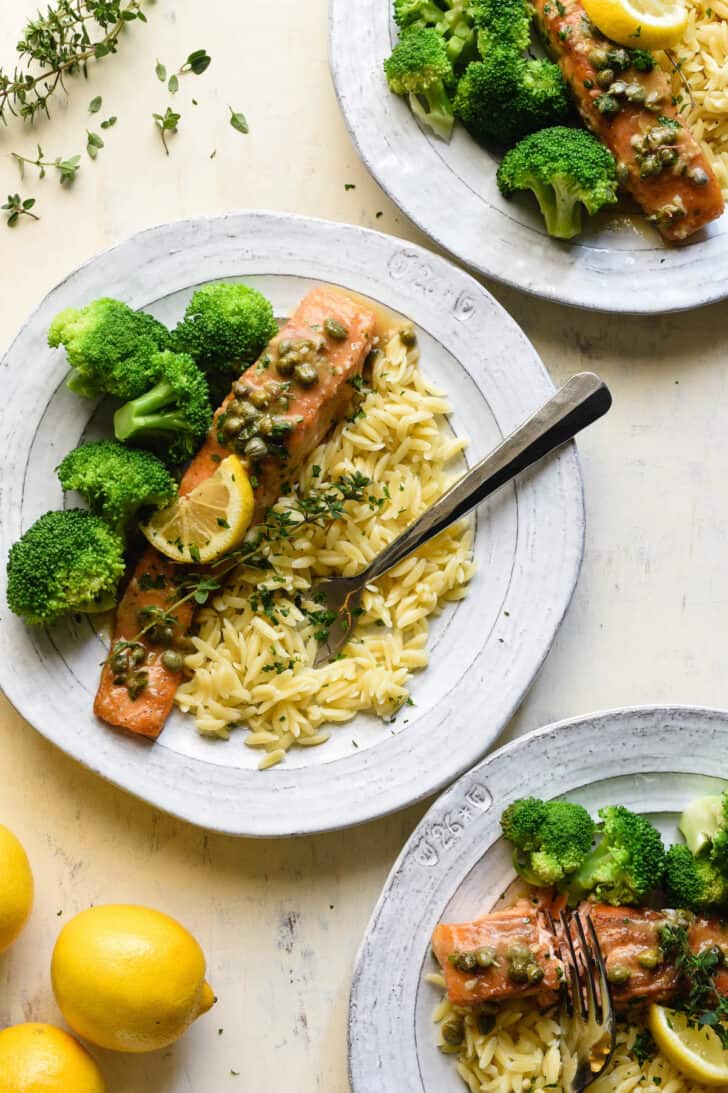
(173, 415)
(502, 23)
(704, 823)
(109, 347)
(693, 882)
(419, 67)
(66, 562)
(550, 838)
(505, 96)
(226, 326)
(627, 863)
(566, 169)
(452, 19)
(115, 481)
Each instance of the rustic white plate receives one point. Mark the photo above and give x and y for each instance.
(455, 865)
(485, 651)
(450, 192)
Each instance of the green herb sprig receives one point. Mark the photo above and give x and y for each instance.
(67, 168)
(703, 1003)
(59, 43)
(16, 206)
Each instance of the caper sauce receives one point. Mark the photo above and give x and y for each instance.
(129, 659)
(523, 967)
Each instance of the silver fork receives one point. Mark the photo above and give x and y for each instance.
(574, 406)
(587, 1013)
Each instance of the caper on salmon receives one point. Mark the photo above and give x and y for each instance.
(336, 330)
(619, 974)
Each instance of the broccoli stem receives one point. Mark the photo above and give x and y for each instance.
(439, 114)
(561, 210)
(148, 414)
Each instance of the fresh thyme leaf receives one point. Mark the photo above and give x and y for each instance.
(15, 207)
(109, 122)
(93, 143)
(161, 72)
(238, 121)
(95, 105)
(166, 123)
(173, 84)
(59, 43)
(198, 61)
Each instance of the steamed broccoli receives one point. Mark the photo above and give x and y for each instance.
(704, 823)
(693, 882)
(452, 19)
(565, 168)
(66, 562)
(109, 347)
(627, 863)
(551, 838)
(173, 415)
(420, 68)
(225, 327)
(115, 481)
(505, 96)
(502, 23)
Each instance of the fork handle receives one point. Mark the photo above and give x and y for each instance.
(581, 400)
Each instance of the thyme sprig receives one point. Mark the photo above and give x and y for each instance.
(16, 206)
(67, 168)
(319, 507)
(59, 43)
(703, 1003)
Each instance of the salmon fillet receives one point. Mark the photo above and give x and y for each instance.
(628, 937)
(659, 161)
(503, 935)
(311, 412)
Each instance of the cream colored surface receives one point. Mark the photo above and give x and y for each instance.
(280, 922)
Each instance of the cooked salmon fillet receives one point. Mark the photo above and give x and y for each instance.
(503, 935)
(628, 937)
(659, 161)
(312, 411)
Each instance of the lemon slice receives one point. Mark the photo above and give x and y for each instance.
(212, 519)
(639, 24)
(696, 1052)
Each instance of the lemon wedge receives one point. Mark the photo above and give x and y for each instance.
(639, 24)
(696, 1052)
(203, 525)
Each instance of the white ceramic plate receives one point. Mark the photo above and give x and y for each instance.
(455, 865)
(485, 651)
(450, 192)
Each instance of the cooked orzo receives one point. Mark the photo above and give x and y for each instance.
(256, 642)
(520, 1054)
(699, 74)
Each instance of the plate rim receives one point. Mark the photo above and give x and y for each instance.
(358, 1068)
(622, 287)
(232, 226)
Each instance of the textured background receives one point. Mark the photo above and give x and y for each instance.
(281, 921)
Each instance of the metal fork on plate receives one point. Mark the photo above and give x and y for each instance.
(574, 406)
(587, 1013)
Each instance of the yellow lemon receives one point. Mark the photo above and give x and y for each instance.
(43, 1059)
(640, 24)
(129, 978)
(16, 889)
(696, 1052)
(208, 521)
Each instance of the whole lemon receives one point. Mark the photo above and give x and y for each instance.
(129, 978)
(16, 889)
(43, 1059)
